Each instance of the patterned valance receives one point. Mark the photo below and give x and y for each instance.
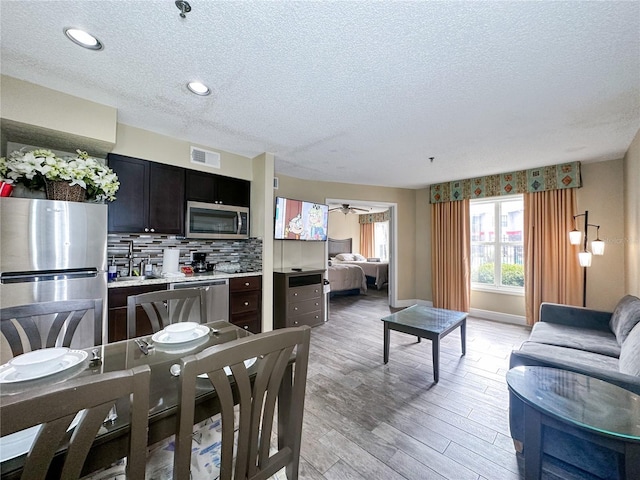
(553, 177)
(374, 217)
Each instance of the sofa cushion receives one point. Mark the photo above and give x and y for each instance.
(578, 360)
(630, 354)
(597, 341)
(625, 317)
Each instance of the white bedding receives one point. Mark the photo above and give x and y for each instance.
(344, 276)
(378, 270)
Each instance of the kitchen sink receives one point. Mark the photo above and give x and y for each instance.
(133, 277)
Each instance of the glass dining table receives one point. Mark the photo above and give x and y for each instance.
(112, 440)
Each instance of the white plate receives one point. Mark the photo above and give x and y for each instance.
(40, 360)
(247, 363)
(163, 337)
(179, 348)
(8, 373)
(19, 443)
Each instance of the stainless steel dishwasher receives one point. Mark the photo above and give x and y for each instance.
(217, 298)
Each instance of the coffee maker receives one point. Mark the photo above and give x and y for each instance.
(199, 262)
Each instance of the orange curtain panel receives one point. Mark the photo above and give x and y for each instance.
(552, 270)
(367, 239)
(450, 255)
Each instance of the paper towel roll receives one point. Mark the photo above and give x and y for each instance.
(170, 258)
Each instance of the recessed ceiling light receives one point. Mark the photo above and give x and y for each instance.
(82, 38)
(198, 88)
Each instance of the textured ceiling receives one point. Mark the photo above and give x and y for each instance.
(360, 92)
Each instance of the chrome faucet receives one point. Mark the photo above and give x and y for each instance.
(130, 258)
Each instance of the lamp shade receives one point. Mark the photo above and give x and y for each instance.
(575, 236)
(585, 259)
(597, 247)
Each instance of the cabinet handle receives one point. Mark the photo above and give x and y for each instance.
(246, 304)
(295, 308)
(317, 316)
(295, 294)
(246, 327)
(152, 230)
(246, 284)
(146, 229)
(295, 323)
(316, 290)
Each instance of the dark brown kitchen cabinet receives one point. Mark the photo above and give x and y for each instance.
(150, 198)
(245, 302)
(117, 311)
(210, 188)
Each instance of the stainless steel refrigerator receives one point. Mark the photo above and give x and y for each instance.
(53, 250)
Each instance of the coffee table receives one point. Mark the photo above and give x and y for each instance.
(579, 405)
(426, 322)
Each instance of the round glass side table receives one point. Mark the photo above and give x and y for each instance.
(560, 398)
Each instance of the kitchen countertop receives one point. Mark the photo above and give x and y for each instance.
(191, 278)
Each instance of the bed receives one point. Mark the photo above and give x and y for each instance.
(376, 272)
(345, 278)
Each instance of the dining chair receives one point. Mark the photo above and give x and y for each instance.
(165, 307)
(86, 400)
(25, 327)
(280, 375)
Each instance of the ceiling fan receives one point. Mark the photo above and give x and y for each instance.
(346, 208)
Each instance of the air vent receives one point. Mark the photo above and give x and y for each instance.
(275, 183)
(205, 158)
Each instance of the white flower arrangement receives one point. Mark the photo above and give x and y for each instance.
(34, 167)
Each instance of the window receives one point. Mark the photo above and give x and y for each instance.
(381, 240)
(497, 252)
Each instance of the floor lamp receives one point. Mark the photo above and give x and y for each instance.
(584, 256)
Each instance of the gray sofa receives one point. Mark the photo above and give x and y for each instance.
(605, 345)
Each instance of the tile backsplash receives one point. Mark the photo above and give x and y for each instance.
(246, 253)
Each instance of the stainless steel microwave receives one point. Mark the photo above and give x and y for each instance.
(212, 220)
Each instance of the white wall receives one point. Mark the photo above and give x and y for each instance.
(632, 217)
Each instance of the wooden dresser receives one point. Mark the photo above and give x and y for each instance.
(245, 302)
(298, 297)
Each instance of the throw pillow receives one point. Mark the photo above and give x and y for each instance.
(345, 257)
(359, 258)
(625, 317)
(629, 362)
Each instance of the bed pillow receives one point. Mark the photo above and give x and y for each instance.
(345, 257)
(359, 258)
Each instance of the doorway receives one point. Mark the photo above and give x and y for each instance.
(392, 232)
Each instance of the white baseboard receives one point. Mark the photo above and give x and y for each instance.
(498, 316)
(473, 312)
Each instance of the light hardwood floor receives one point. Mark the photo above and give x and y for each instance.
(365, 420)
